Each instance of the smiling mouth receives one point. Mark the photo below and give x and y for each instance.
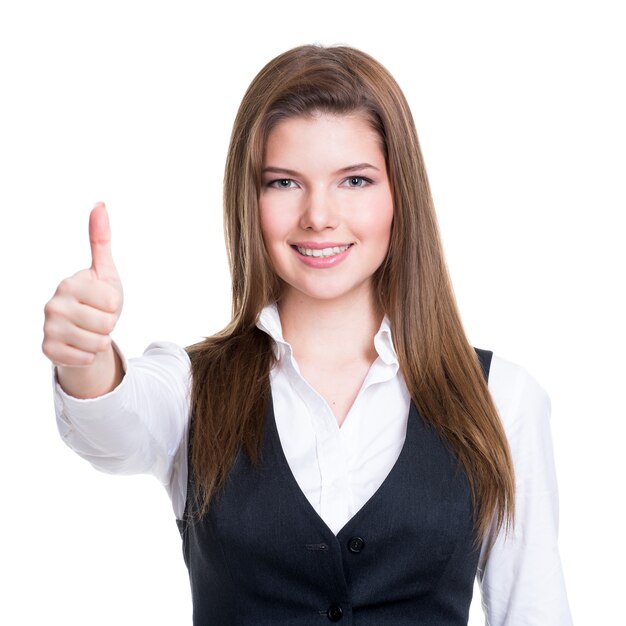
(322, 252)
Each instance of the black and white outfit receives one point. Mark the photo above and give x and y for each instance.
(365, 524)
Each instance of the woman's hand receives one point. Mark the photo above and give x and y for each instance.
(81, 315)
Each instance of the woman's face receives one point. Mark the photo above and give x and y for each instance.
(325, 205)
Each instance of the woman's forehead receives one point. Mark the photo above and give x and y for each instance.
(323, 136)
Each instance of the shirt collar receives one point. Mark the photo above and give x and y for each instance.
(383, 342)
(269, 322)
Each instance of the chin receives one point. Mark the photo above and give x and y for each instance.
(326, 293)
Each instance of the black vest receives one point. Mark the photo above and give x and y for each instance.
(262, 555)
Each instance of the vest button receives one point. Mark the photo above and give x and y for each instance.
(356, 544)
(334, 613)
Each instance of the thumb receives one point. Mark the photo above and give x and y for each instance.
(100, 241)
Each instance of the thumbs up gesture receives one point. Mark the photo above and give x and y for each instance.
(81, 315)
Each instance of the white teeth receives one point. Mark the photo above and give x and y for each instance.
(323, 252)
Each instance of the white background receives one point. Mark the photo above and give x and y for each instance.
(520, 110)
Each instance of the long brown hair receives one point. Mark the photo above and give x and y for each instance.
(230, 370)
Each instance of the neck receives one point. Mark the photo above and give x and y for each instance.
(326, 329)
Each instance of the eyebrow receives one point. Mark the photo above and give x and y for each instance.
(343, 170)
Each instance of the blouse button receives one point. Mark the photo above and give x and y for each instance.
(334, 613)
(356, 544)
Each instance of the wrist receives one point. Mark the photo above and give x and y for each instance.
(95, 380)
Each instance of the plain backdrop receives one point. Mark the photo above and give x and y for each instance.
(520, 111)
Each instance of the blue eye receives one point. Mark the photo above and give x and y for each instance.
(357, 181)
(281, 183)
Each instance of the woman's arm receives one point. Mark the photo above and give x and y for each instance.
(122, 417)
(521, 579)
(140, 426)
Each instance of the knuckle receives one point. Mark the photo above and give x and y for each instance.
(78, 359)
(87, 358)
(51, 308)
(65, 286)
(52, 351)
(116, 301)
(46, 347)
(108, 325)
(50, 329)
(100, 322)
(103, 343)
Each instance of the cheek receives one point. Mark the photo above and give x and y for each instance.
(267, 220)
(377, 225)
(270, 237)
(274, 232)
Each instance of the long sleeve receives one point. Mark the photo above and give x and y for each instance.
(521, 580)
(141, 426)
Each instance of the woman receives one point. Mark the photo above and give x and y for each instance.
(339, 452)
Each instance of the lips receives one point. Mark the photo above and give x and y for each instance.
(321, 255)
(321, 252)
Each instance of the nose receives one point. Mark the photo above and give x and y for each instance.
(320, 211)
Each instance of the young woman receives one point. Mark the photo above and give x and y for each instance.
(338, 452)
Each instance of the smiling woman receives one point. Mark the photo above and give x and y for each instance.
(334, 212)
(339, 452)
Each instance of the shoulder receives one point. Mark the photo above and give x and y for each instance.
(163, 354)
(516, 393)
(524, 408)
(164, 368)
(167, 349)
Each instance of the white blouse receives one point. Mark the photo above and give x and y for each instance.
(142, 426)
